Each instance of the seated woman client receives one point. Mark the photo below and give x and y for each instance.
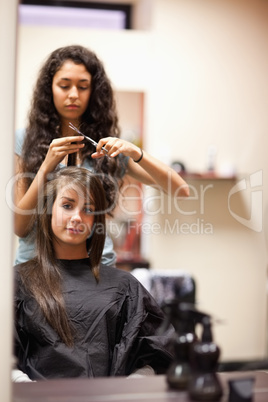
(73, 316)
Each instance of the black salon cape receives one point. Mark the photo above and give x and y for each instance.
(115, 324)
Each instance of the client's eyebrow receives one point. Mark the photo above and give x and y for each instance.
(64, 197)
(67, 198)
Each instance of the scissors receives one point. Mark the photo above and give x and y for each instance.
(86, 137)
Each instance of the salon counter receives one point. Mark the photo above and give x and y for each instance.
(148, 389)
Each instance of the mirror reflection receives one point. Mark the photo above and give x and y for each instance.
(63, 245)
(162, 92)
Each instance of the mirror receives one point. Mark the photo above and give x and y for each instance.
(195, 92)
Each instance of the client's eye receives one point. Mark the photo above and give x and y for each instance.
(89, 210)
(67, 206)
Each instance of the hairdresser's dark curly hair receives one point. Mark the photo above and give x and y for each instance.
(99, 120)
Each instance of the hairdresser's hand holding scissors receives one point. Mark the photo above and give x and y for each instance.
(113, 146)
(141, 166)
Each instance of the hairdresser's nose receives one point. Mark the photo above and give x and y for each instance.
(73, 94)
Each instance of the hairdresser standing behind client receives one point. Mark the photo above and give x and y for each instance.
(73, 87)
(73, 316)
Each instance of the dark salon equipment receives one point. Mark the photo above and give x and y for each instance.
(178, 166)
(241, 390)
(204, 382)
(167, 285)
(179, 314)
(195, 363)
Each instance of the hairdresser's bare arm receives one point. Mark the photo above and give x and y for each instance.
(25, 198)
(149, 170)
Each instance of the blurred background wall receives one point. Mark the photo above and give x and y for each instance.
(202, 69)
(8, 18)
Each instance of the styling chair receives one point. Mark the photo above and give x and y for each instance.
(167, 284)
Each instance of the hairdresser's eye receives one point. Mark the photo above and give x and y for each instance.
(83, 88)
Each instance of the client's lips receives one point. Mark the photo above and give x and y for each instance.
(74, 230)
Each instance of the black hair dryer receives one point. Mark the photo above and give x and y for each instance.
(195, 363)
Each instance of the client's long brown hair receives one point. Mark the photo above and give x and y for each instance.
(41, 276)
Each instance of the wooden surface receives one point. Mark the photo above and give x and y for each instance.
(150, 389)
(206, 176)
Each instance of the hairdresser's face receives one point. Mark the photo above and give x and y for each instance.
(72, 221)
(71, 88)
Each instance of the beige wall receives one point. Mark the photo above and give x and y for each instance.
(209, 86)
(203, 68)
(8, 14)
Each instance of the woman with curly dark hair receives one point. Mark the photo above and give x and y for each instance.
(73, 87)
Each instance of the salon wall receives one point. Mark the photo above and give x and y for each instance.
(211, 89)
(202, 66)
(8, 13)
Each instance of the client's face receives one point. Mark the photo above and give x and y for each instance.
(71, 222)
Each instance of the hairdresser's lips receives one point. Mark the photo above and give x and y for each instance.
(72, 107)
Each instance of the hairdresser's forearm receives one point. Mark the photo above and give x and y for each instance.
(144, 167)
(25, 207)
(151, 171)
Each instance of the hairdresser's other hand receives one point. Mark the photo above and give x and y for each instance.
(58, 149)
(116, 146)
